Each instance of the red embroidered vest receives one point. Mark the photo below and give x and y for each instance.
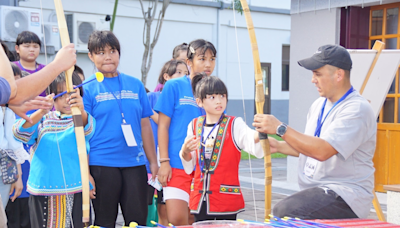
(221, 186)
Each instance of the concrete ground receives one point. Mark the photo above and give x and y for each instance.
(252, 183)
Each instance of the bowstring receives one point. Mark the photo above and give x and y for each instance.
(65, 182)
(44, 40)
(244, 107)
(58, 145)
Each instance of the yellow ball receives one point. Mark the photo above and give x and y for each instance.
(133, 224)
(99, 76)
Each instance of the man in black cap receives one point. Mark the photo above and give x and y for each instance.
(335, 173)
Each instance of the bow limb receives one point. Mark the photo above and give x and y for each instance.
(77, 117)
(260, 99)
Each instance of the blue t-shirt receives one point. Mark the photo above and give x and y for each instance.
(25, 167)
(153, 97)
(108, 146)
(5, 91)
(177, 102)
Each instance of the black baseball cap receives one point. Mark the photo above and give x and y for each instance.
(334, 55)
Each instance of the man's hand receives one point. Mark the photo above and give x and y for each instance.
(66, 57)
(18, 187)
(266, 123)
(44, 103)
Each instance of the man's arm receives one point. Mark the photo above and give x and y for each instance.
(7, 73)
(310, 146)
(34, 84)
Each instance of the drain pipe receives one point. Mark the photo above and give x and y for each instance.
(218, 31)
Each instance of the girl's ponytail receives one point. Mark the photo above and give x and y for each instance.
(196, 83)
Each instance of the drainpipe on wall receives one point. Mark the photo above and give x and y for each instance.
(218, 25)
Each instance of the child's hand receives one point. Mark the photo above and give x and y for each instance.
(190, 144)
(273, 144)
(75, 100)
(92, 192)
(17, 187)
(47, 109)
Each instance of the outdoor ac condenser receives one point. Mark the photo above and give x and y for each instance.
(80, 26)
(14, 20)
(51, 35)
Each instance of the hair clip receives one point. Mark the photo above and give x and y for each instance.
(192, 49)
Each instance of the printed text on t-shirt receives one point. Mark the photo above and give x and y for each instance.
(126, 94)
(188, 101)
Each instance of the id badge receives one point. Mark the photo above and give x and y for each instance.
(128, 135)
(156, 184)
(209, 148)
(310, 167)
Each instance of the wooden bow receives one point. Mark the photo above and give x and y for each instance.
(260, 99)
(77, 117)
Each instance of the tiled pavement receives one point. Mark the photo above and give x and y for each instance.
(280, 189)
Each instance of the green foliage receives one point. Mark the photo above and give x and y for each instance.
(238, 6)
(236, 3)
(245, 155)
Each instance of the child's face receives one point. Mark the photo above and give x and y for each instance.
(214, 104)
(203, 63)
(60, 103)
(28, 51)
(106, 60)
(181, 70)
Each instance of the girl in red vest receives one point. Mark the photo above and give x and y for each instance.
(213, 144)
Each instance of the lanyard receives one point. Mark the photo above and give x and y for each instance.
(319, 123)
(202, 153)
(119, 101)
(19, 62)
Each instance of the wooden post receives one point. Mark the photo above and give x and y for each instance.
(378, 46)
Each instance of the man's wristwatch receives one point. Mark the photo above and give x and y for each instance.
(281, 129)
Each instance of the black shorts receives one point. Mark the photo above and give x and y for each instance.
(160, 197)
(150, 194)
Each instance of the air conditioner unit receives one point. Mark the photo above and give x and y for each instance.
(80, 26)
(51, 35)
(14, 20)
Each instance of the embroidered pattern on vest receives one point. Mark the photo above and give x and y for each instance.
(218, 143)
(229, 189)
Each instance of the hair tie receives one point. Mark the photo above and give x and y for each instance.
(192, 50)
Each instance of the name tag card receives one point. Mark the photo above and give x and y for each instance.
(209, 148)
(156, 184)
(128, 134)
(310, 167)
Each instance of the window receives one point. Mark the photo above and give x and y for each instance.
(384, 26)
(285, 67)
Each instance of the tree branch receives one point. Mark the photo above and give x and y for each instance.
(144, 14)
(149, 17)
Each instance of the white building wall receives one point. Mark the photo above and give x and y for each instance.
(184, 23)
(310, 30)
